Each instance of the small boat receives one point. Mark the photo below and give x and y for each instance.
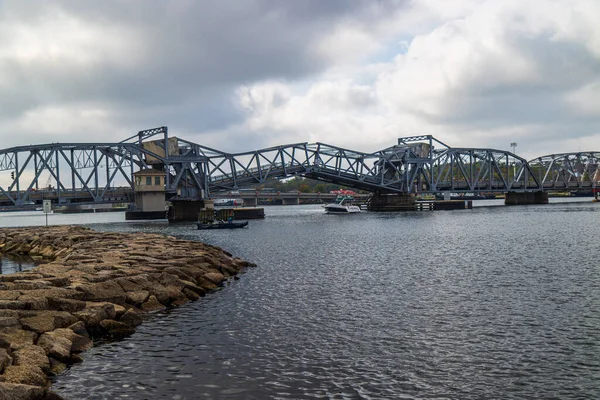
(342, 205)
(222, 225)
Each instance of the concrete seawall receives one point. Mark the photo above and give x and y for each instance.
(89, 285)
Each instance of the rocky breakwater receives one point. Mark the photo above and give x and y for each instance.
(88, 285)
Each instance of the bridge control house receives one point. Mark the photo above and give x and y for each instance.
(149, 191)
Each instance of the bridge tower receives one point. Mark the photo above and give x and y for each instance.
(149, 192)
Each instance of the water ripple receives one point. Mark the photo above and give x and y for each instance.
(488, 303)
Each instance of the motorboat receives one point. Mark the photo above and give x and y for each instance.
(342, 205)
(222, 225)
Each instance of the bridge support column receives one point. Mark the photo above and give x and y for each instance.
(250, 201)
(392, 202)
(185, 210)
(514, 198)
(291, 201)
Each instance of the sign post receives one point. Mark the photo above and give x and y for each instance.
(47, 208)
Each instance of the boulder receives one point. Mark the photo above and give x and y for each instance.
(9, 323)
(45, 321)
(152, 304)
(119, 310)
(128, 285)
(9, 294)
(31, 355)
(94, 313)
(131, 318)
(215, 277)
(104, 291)
(79, 343)
(39, 324)
(180, 272)
(79, 328)
(193, 287)
(34, 302)
(137, 297)
(56, 367)
(69, 305)
(13, 305)
(176, 296)
(17, 339)
(20, 276)
(52, 396)
(9, 313)
(191, 294)
(55, 292)
(15, 391)
(206, 284)
(56, 346)
(31, 284)
(27, 375)
(5, 359)
(116, 329)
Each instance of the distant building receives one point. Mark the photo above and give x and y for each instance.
(149, 188)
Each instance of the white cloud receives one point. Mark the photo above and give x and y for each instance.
(585, 100)
(486, 75)
(355, 74)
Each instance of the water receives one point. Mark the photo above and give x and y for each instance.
(499, 302)
(12, 264)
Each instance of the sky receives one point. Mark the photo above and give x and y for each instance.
(243, 75)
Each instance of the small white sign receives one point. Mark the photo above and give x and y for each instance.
(47, 208)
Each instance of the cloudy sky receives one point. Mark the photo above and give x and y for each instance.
(242, 75)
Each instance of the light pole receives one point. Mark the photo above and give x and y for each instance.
(514, 146)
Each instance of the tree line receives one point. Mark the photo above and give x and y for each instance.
(303, 185)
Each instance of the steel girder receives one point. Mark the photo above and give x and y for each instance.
(75, 170)
(419, 164)
(481, 170)
(568, 171)
(91, 171)
(382, 171)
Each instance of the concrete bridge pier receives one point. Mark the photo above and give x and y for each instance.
(514, 198)
(392, 202)
(185, 210)
(290, 201)
(250, 201)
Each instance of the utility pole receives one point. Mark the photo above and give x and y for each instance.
(514, 147)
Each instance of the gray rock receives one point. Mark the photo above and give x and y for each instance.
(15, 391)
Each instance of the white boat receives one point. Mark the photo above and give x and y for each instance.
(342, 205)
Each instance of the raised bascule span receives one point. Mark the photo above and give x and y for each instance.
(102, 172)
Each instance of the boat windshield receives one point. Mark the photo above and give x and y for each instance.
(343, 199)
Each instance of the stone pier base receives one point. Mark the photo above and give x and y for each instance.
(514, 198)
(392, 202)
(250, 201)
(185, 210)
(294, 201)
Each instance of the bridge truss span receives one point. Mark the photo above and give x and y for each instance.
(568, 171)
(91, 172)
(481, 170)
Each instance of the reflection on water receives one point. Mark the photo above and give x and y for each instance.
(500, 302)
(12, 264)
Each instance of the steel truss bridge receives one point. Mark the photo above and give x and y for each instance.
(102, 172)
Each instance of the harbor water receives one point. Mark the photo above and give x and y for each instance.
(494, 302)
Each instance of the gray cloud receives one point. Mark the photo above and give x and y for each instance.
(177, 62)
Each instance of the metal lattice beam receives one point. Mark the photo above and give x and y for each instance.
(417, 164)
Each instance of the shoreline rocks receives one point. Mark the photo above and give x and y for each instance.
(89, 285)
